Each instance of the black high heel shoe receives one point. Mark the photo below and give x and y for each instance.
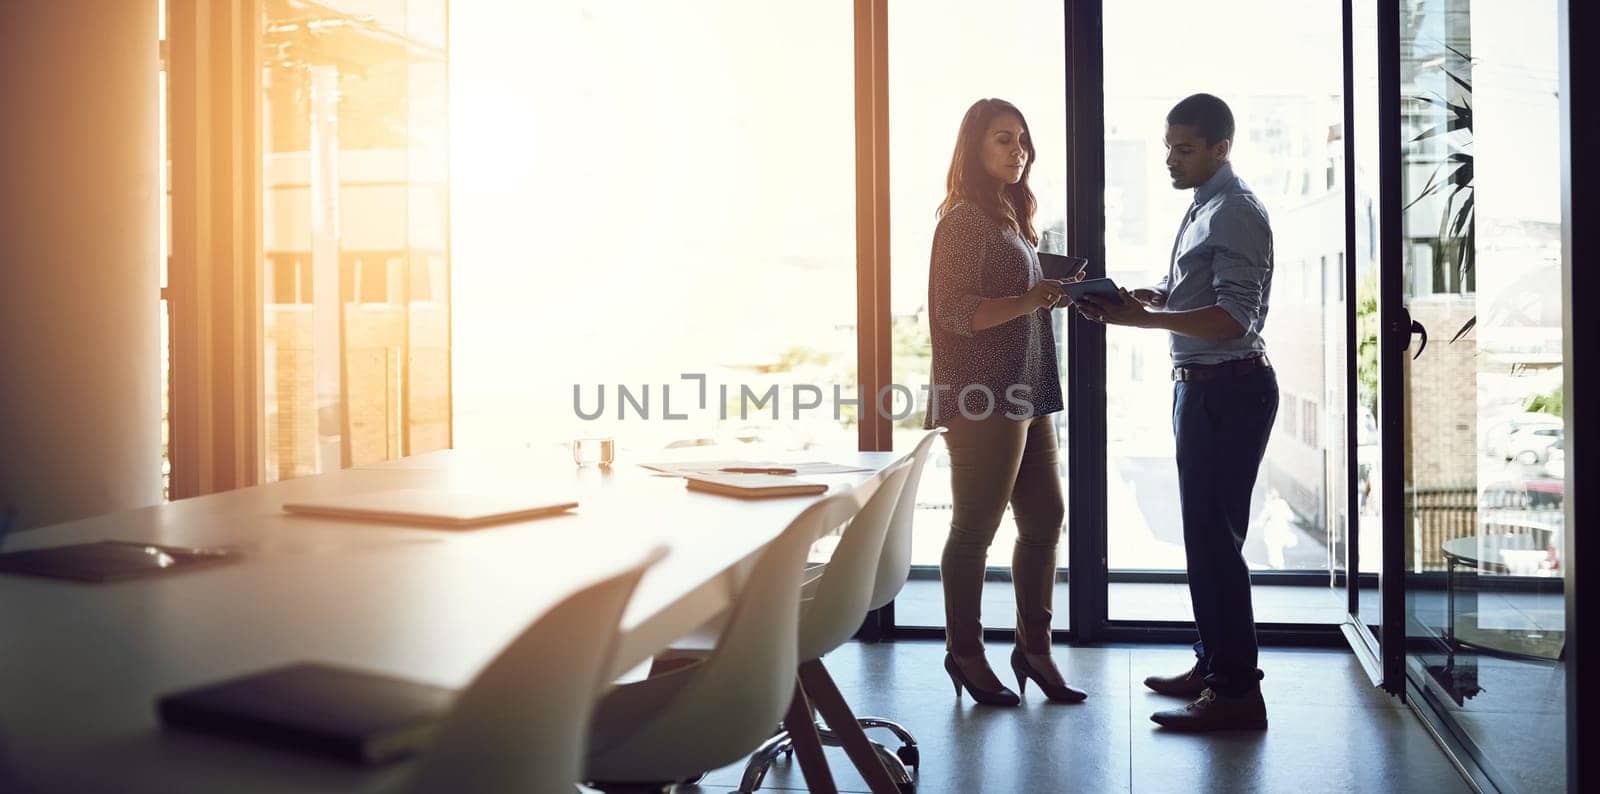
(995, 697)
(1062, 693)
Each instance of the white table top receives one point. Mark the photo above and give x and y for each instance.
(81, 665)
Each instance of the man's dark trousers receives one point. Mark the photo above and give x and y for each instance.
(1222, 427)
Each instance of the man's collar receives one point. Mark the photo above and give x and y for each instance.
(1212, 186)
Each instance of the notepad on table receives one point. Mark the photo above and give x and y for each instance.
(754, 486)
(353, 715)
(444, 509)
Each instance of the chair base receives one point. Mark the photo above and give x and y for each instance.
(641, 788)
(629, 788)
(901, 763)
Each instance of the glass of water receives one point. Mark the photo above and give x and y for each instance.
(594, 451)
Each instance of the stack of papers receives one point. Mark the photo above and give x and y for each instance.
(754, 486)
(698, 467)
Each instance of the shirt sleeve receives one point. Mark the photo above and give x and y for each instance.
(957, 268)
(1241, 262)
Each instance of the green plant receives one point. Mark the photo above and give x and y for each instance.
(913, 357)
(799, 357)
(1367, 341)
(1453, 177)
(1550, 402)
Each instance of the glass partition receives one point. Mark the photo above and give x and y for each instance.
(1485, 474)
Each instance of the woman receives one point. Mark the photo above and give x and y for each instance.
(995, 385)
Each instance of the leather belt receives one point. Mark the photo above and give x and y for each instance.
(1199, 373)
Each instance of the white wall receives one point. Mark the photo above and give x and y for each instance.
(80, 363)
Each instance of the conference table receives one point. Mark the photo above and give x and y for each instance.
(81, 665)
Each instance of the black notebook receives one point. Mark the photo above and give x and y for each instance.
(353, 715)
(109, 560)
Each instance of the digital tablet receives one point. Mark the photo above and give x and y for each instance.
(1060, 266)
(1103, 288)
(110, 560)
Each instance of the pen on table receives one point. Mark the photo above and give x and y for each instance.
(757, 470)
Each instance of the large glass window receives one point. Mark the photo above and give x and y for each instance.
(1485, 471)
(164, 164)
(1279, 66)
(645, 192)
(942, 58)
(356, 304)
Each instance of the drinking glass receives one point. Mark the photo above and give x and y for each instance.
(594, 451)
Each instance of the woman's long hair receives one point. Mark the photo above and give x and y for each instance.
(1012, 206)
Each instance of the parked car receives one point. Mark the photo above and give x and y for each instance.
(1497, 436)
(1531, 446)
(1555, 464)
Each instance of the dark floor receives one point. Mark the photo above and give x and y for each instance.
(1330, 729)
(921, 603)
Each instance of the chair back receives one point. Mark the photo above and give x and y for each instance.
(840, 601)
(523, 722)
(894, 566)
(730, 701)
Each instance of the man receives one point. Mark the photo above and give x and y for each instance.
(1213, 302)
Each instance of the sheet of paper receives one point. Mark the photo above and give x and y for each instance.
(692, 468)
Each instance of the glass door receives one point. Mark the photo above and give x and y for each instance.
(1477, 286)
(1359, 549)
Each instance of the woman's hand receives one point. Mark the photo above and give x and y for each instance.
(1066, 300)
(1044, 295)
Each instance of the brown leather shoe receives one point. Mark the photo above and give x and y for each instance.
(1188, 684)
(1213, 712)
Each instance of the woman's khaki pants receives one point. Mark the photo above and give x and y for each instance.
(995, 462)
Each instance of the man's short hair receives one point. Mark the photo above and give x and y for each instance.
(1209, 116)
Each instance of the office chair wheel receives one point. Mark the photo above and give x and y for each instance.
(896, 768)
(909, 755)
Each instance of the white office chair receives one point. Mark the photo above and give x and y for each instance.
(830, 618)
(523, 722)
(894, 567)
(717, 708)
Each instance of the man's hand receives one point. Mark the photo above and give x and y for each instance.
(1150, 297)
(1130, 311)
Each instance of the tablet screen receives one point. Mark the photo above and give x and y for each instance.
(109, 560)
(1059, 266)
(1098, 287)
